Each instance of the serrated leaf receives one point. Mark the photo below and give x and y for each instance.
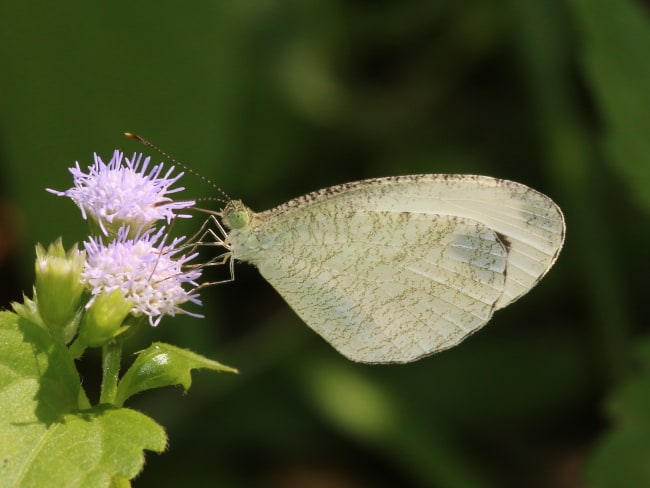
(37, 374)
(621, 456)
(45, 440)
(163, 365)
(88, 448)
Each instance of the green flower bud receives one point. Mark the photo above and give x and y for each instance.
(103, 318)
(58, 283)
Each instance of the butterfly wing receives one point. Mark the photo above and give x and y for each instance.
(393, 269)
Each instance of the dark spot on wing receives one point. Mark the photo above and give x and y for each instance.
(503, 239)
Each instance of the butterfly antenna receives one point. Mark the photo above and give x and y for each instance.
(144, 141)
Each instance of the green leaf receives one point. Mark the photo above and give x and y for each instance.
(37, 374)
(623, 452)
(93, 447)
(45, 440)
(163, 365)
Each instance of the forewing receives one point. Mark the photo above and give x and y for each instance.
(529, 223)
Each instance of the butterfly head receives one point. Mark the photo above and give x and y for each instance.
(236, 215)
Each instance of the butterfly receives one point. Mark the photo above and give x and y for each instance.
(389, 270)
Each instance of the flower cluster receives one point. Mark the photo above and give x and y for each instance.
(131, 266)
(120, 194)
(144, 270)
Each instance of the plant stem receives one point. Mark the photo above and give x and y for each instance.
(111, 359)
(77, 349)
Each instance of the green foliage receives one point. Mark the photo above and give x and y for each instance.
(622, 456)
(36, 369)
(616, 39)
(48, 434)
(163, 365)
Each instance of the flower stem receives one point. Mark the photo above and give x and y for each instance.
(111, 359)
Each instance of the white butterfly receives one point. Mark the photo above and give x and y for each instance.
(389, 270)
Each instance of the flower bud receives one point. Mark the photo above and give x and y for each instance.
(103, 318)
(58, 283)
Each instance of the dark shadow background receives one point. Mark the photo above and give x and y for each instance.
(273, 99)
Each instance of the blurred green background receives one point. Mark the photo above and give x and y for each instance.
(273, 99)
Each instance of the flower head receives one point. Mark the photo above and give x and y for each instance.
(104, 318)
(144, 270)
(58, 288)
(115, 194)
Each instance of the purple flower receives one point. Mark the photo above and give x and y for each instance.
(115, 195)
(145, 270)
